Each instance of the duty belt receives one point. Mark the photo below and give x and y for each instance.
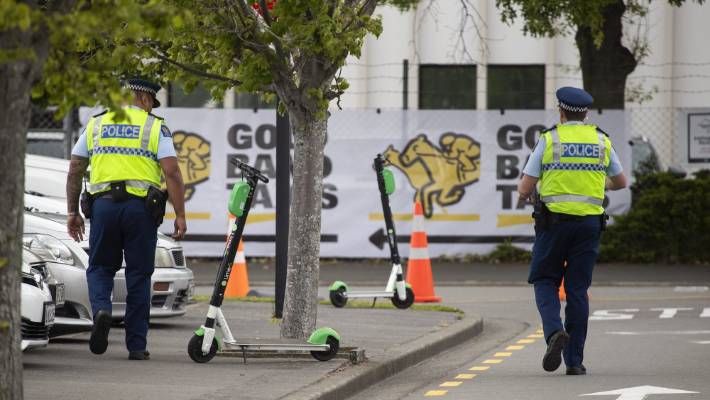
(99, 187)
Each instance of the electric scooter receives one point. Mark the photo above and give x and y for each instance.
(323, 344)
(397, 289)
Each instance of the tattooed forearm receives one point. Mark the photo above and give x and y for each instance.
(77, 168)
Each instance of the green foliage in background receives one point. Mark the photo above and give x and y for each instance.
(294, 51)
(669, 222)
(507, 253)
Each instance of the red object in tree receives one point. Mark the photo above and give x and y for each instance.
(269, 4)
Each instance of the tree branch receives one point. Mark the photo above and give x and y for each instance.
(194, 70)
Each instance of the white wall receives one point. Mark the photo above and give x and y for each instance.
(678, 66)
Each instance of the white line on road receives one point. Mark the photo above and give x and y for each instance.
(702, 341)
(613, 315)
(691, 289)
(705, 313)
(667, 313)
(629, 333)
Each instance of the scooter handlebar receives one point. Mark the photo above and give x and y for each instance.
(249, 170)
(380, 163)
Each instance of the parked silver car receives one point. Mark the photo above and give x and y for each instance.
(172, 283)
(37, 306)
(46, 235)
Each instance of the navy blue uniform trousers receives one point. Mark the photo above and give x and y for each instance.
(577, 243)
(118, 230)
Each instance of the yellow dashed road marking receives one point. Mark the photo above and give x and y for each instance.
(433, 393)
(451, 384)
(493, 361)
(480, 368)
(515, 347)
(465, 376)
(535, 336)
(503, 354)
(526, 341)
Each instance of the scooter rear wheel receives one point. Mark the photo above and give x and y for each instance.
(194, 349)
(327, 355)
(407, 302)
(337, 297)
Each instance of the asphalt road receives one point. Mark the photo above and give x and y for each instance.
(662, 339)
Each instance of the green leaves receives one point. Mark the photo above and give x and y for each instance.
(668, 222)
(220, 45)
(14, 15)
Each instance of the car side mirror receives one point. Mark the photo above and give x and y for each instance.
(677, 171)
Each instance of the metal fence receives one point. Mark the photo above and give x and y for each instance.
(55, 137)
(660, 126)
(51, 136)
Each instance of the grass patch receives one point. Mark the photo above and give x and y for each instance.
(384, 305)
(247, 299)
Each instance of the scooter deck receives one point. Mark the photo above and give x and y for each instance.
(266, 344)
(364, 294)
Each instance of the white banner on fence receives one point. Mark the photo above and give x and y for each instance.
(694, 138)
(463, 165)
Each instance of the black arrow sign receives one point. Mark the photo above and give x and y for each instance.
(197, 237)
(379, 238)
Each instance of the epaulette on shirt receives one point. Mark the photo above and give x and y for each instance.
(600, 130)
(99, 114)
(164, 130)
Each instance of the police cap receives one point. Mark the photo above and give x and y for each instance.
(574, 99)
(143, 85)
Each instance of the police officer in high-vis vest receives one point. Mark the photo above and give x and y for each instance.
(574, 162)
(128, 156)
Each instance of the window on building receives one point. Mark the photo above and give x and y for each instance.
(251, 100)
(199, 97)
(447, 87)
(516, 87)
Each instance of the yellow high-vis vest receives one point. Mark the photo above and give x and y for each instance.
(574, 168)
(124, 150)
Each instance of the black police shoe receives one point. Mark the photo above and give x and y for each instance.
(99, 332)
(139, 355)
(553, 356)
(577, 370)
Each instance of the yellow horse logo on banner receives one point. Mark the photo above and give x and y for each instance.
(439, 174)
(193, 154)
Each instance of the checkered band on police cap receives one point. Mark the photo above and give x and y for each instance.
(141, 88)
(571, 108)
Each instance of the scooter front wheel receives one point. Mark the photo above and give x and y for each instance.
(327, 355)
(194, 349)
(337, 297)
(407, 302)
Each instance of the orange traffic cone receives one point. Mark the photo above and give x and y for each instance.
(419, 265)
(562, 293)
(238, 285)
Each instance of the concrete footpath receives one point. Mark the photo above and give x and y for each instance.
(393, 340)
(450, 273)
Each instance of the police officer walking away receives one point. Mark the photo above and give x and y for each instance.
(127, 156)
(574, 163)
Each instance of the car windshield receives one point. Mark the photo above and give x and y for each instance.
(643, 152)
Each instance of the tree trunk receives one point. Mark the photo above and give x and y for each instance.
(14, 119)
(605, 69)
(300, 307)
(16, 81)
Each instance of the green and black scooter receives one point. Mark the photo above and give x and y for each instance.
(397, 289)
(323, 344)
